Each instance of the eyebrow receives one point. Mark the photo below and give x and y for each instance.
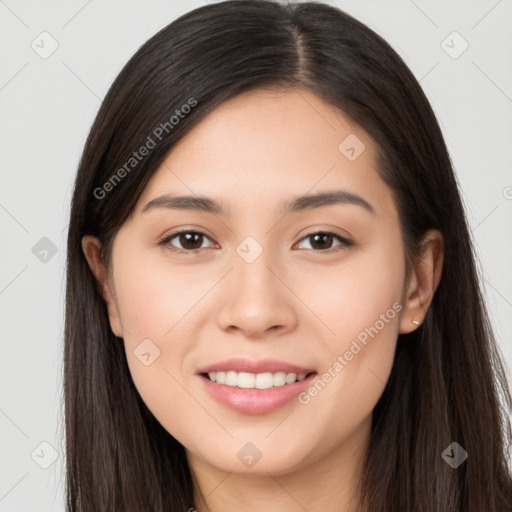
(301, 203)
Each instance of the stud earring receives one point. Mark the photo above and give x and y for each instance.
(415, 322)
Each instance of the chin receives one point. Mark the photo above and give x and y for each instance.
(250, 460)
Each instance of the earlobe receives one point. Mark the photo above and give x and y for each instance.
(91, 247)
(425, 278)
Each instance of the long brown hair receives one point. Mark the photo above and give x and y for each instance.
(448, 382)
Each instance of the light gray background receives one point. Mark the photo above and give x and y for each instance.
(47, 107)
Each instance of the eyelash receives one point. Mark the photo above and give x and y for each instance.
(343, 245)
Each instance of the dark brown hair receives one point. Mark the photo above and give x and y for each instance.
(448, 381)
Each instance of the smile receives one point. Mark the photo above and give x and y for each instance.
(253, 400)
(248, 380)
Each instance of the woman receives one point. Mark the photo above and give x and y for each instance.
(271, 288)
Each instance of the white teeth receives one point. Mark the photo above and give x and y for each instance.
(255, 381)
(245, 380)
(290, 378)
(231, 379)
(279, 379)
(264, 381)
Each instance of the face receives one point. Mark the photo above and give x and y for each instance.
(262, 289)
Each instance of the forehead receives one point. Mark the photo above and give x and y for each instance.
(264, 146)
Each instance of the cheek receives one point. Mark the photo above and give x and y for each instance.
(359, 307)
(155, 298)
(159, 307)
(147, 308)
(351, 296)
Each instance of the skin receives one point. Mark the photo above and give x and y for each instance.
(292, 303)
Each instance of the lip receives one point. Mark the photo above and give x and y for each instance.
(240, 364)
(255, 401)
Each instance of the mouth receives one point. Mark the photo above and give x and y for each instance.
(256, 392)
(248, 380)
(255, 386)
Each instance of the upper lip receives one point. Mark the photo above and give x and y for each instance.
(261, 366)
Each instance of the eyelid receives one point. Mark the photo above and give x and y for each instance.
(165, 240)
(344, 241)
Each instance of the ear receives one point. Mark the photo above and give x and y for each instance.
(424, 280)
(91, 247)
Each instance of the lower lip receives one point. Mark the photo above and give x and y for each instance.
(256, 401)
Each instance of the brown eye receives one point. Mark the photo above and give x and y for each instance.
(189, 241)
(322, 241)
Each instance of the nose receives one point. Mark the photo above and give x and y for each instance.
(256, 300)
